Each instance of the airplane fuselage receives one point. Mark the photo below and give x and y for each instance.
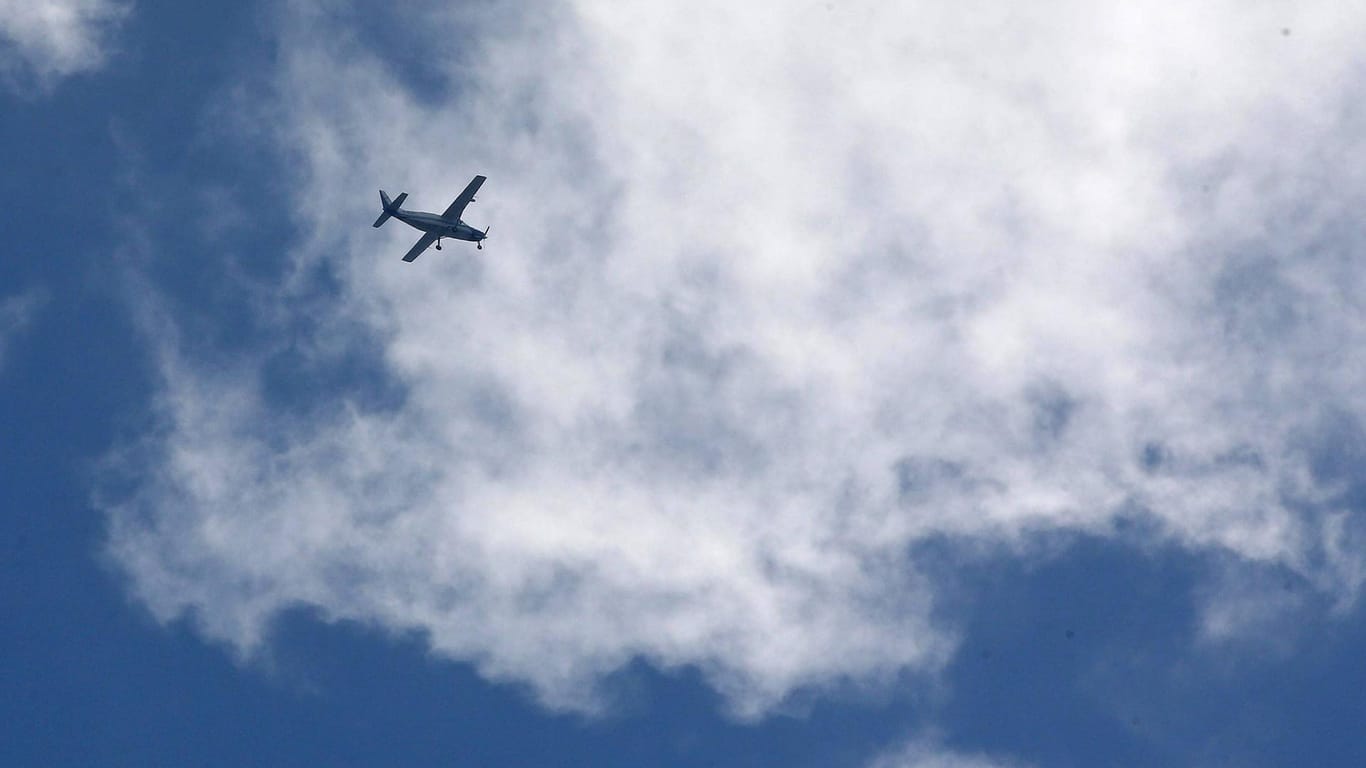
(437, 224)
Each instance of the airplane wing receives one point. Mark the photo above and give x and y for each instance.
(421, 245)
(458, 207)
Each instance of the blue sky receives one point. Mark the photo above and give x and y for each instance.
(840, 385)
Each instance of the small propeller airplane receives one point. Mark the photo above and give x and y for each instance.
(435, 227)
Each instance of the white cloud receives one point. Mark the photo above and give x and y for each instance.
(775, 290)
(16, 314)
(56, 38)
(928, 753)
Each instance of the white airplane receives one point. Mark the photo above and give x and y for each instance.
(435, 227)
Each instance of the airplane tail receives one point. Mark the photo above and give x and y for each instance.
(390, 206)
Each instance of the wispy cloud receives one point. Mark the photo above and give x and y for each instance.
(16, 314)
(776, 290)
(51, 39)
(928, 753)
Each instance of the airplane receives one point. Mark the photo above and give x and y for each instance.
(435, 227)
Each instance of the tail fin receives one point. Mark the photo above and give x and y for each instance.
(390, 206)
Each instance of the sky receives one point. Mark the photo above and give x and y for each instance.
(852, 384)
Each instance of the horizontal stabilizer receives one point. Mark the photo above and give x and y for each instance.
(390, 206)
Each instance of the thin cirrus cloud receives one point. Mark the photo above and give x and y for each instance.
(51, 39)
(927, 753)
(16, 315)
(773, 292)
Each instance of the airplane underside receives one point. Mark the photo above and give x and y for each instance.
(435, 227)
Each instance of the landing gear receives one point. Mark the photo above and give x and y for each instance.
(438, 243)
(480, 246)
